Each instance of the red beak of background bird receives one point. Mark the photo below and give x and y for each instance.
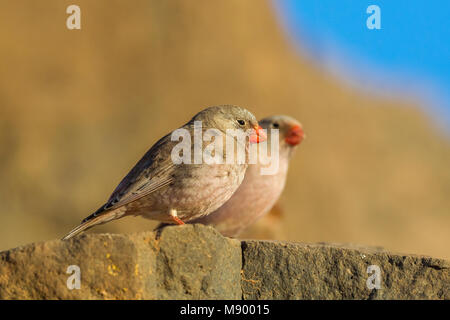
(295, 135)
(258, 136)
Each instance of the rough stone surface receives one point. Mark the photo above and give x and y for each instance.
(196, 262)
(188, 262)
(276, 270)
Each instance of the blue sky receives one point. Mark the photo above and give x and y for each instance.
(409, 55)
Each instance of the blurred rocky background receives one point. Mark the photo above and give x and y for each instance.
(78, 108)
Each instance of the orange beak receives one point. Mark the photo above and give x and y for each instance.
(258, 136)
(295, 135)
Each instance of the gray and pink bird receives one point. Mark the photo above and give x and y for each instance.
(158, 188)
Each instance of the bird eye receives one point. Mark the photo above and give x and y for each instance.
(275, 125)
(241, 122)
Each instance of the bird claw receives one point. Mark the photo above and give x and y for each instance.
(173, 214)
(177, 220)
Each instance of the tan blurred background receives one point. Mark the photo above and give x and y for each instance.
(79, 108)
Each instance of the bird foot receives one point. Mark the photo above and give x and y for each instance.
(173, 214)
(177, 220)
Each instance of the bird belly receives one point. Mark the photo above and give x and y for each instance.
(191, 197)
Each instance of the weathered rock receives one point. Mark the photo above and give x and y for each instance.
(188, 262)
(196, 262)
(275, 270)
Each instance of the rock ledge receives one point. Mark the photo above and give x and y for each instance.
(196, 262)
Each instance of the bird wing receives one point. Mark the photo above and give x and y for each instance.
(143, 187)
(152, 172)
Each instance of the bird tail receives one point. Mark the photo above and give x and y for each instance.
(95, 219)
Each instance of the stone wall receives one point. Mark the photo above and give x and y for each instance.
(196, 262)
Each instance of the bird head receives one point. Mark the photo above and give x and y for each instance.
(290, 130)
(228, 117)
